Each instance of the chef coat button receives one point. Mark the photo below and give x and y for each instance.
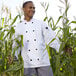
(25, 23)
(38, 59)
(27, 40)
(29, 50)
(30, 59)
(34, 39)
(46, 27)
(26, 31)
(32, 22)
(33, 30)
(36, 49)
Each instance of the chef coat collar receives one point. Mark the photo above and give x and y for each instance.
(32, 20)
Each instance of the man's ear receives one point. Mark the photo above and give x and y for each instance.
(23, 9)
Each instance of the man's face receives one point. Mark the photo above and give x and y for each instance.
(29, 10)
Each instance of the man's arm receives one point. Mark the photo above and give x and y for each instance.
(50, 37)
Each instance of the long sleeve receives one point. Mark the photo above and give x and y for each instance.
(49, 35)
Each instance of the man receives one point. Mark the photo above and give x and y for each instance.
(36, 34)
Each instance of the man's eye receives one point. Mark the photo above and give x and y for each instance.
(32, 7)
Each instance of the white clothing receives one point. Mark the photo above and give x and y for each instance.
(35, 35)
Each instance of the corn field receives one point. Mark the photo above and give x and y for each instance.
(10, 65)
(63, 63)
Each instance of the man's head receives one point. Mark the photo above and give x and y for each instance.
(28, 9)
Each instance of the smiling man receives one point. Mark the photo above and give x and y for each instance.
(29, 10)
(36, 34)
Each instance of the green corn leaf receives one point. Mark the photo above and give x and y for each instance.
(72, 22)
(5, 25)
(48, 50)
(20, 16)
(47, 7)
(2, 21)
(66, 10)
(54, 28)
(6, 35)
(14, 20)
(22, 40)
(45, 18)
(1, 28)
(50, 25)
(14, 68)
(53, 21)
(61, 1)
(74, 29)
(1, 35)
(12, 30)
(49, 19)
(58, 20)
(10, 16)
(51, 41)
(6, 46)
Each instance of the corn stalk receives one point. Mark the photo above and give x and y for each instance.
(10, 65)
(63, 62)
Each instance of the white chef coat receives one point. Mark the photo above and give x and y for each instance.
(36, 34)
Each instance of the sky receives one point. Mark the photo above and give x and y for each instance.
(53, 9)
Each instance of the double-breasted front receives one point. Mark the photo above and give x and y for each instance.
(35, 35)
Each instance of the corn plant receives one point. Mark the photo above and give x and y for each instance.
(10, 65)
(68, 42)
(63, 62)
(50, 20)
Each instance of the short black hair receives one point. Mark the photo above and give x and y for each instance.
(26, 3)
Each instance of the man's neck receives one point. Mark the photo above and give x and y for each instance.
(27, 19)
